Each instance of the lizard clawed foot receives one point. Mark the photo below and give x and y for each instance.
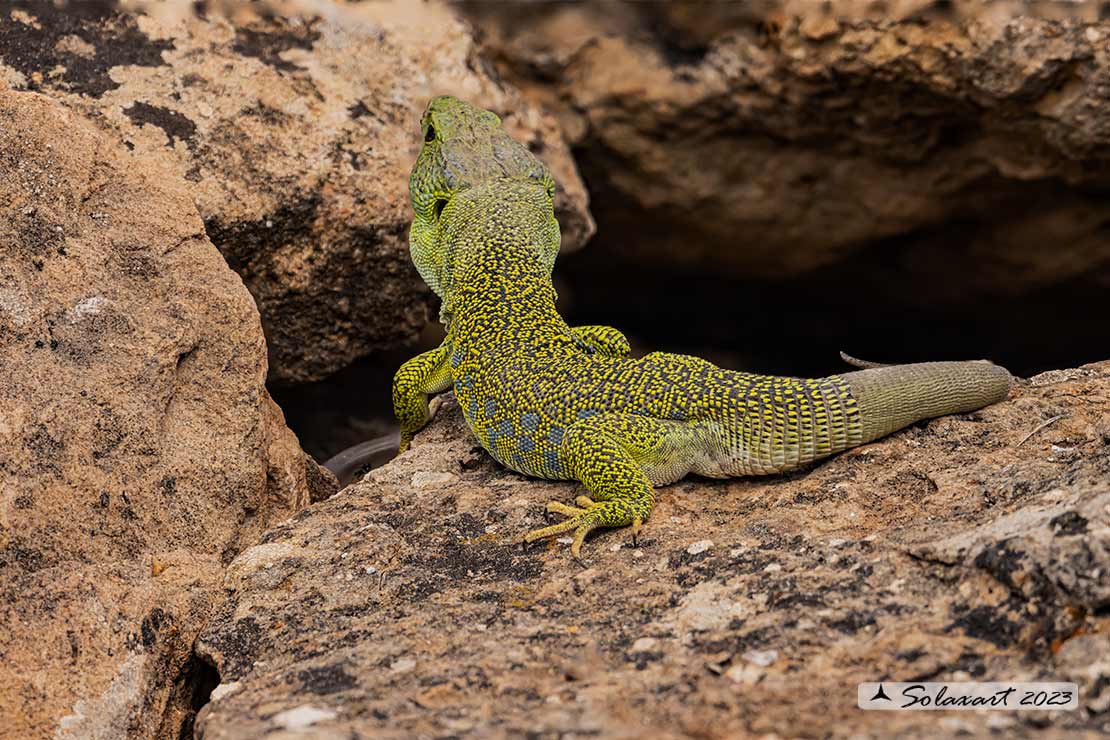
(581, 521)
(585, 518)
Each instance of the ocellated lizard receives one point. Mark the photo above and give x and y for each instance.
(556, 402)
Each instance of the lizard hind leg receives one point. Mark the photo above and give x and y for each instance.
(611, 455)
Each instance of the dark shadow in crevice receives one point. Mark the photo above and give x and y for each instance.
(797, 326)
(347, 408)
(199, 679)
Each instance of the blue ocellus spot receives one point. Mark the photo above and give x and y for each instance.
(456, 358)
(555, 435)
(587, 413)
(551, 460)
(529, 421)
(526, 444)
(491, 407)
(505, 427)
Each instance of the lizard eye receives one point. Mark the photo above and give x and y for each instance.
(430, 134)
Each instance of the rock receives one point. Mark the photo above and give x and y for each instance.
(1054, 551)
(296, 136)
(301, 717)
(769, 140)
(699, 547)
(879, 573)
(761, 657)
(139, 450)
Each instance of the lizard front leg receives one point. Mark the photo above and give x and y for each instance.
(617, 457)
(604, 340)
(427, 373)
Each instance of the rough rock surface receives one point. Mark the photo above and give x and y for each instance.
(967, 547)
(139, 449)
(297, 136)
(743, 138)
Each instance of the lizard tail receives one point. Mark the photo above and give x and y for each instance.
(865, 364)
(892, 397)
(361, 458)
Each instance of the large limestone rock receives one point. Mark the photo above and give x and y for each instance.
(771, 139)
(970, 547)
(296, 134)
(139, 449)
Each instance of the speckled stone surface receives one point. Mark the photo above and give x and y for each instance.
(139, 449)
(968, 547)
(295, 136)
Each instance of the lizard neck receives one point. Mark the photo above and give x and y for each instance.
(504, 238)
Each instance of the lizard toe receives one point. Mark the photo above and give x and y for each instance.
(555, 507)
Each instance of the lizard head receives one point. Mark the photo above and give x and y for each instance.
(465, 148)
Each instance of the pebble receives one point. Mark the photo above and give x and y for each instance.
(644, 645)
(761, 657)
(223, 690)
(745, 673)
(402, 665)
(303, 716)
(699, 547)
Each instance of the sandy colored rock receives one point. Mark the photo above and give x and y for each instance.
(771, 139)
(296, 135)
(139, 449)
(965, 548)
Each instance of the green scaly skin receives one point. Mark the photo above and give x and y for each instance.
(559, 403)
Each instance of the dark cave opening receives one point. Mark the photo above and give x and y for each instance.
(346, 408)
(797, 326)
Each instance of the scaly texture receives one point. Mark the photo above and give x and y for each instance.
(554, 402)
